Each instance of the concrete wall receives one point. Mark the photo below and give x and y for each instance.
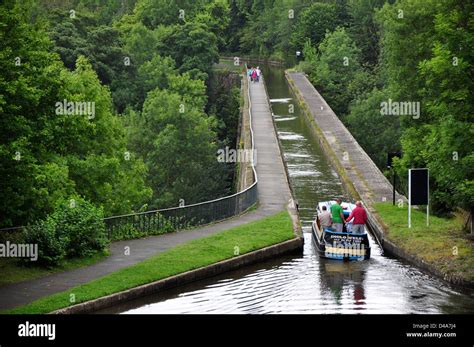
(245, 176)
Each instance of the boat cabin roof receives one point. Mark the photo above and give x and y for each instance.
(347, 207)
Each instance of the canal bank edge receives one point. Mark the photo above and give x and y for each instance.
(375, 221)
(287, 247)
(293, 204)
(244, 172)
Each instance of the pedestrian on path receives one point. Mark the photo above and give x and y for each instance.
(254, 75)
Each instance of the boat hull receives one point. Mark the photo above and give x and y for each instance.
(340, 246)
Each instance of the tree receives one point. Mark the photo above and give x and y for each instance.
(192, 47)
(377, 133)
(336, 67)
(409, 23)
(442, 139)
(29, 87)
(268, 28)
(236, 24)
(313, 23)
(179, 149)
(216, 17)
(193, 92)
(100, 164)
(153, 13)
(364, 29)
(224, 105)
(102, 45)
(142, 42)
(156, 72)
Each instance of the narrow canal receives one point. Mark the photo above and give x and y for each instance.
(305, 283)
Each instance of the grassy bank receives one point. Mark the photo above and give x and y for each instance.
(13, 271)
(189, 256)
(442, 244)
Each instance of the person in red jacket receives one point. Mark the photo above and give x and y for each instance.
(360, 218)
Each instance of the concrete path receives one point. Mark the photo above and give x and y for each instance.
(273, 192)
(367, 179)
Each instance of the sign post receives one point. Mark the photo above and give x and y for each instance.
(427, 197)
(409, 198)
(418, 191)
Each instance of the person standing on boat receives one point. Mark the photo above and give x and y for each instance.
(325, 220)
(360, 218)
(337, 216)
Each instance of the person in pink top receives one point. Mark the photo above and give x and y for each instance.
(360, 218)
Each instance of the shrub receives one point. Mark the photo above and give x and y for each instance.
(51, 248)
(81, 223)
(75, 229)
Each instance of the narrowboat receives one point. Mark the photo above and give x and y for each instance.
(343, 245)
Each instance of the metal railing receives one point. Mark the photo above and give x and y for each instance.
(185, 217)
(179, 218)
(12, 234)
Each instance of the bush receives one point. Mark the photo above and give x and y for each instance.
(81, 223)
(75, 229)
(305, 67)
(51, 248)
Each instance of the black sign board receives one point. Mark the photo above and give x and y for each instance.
(419, 187)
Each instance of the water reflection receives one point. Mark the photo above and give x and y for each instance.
(337, 276)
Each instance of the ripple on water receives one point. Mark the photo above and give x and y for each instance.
(290, 136)
(309, 284)
(284, 119)
(297, 155)
(281, 100)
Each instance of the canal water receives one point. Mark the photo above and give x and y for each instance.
(306, 283)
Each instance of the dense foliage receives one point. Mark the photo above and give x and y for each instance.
(363, 53)
(109, 101)
(149, 113)
(75, 229)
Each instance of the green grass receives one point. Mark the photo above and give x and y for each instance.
(13, 271)
(189, 256)
(442, 244)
